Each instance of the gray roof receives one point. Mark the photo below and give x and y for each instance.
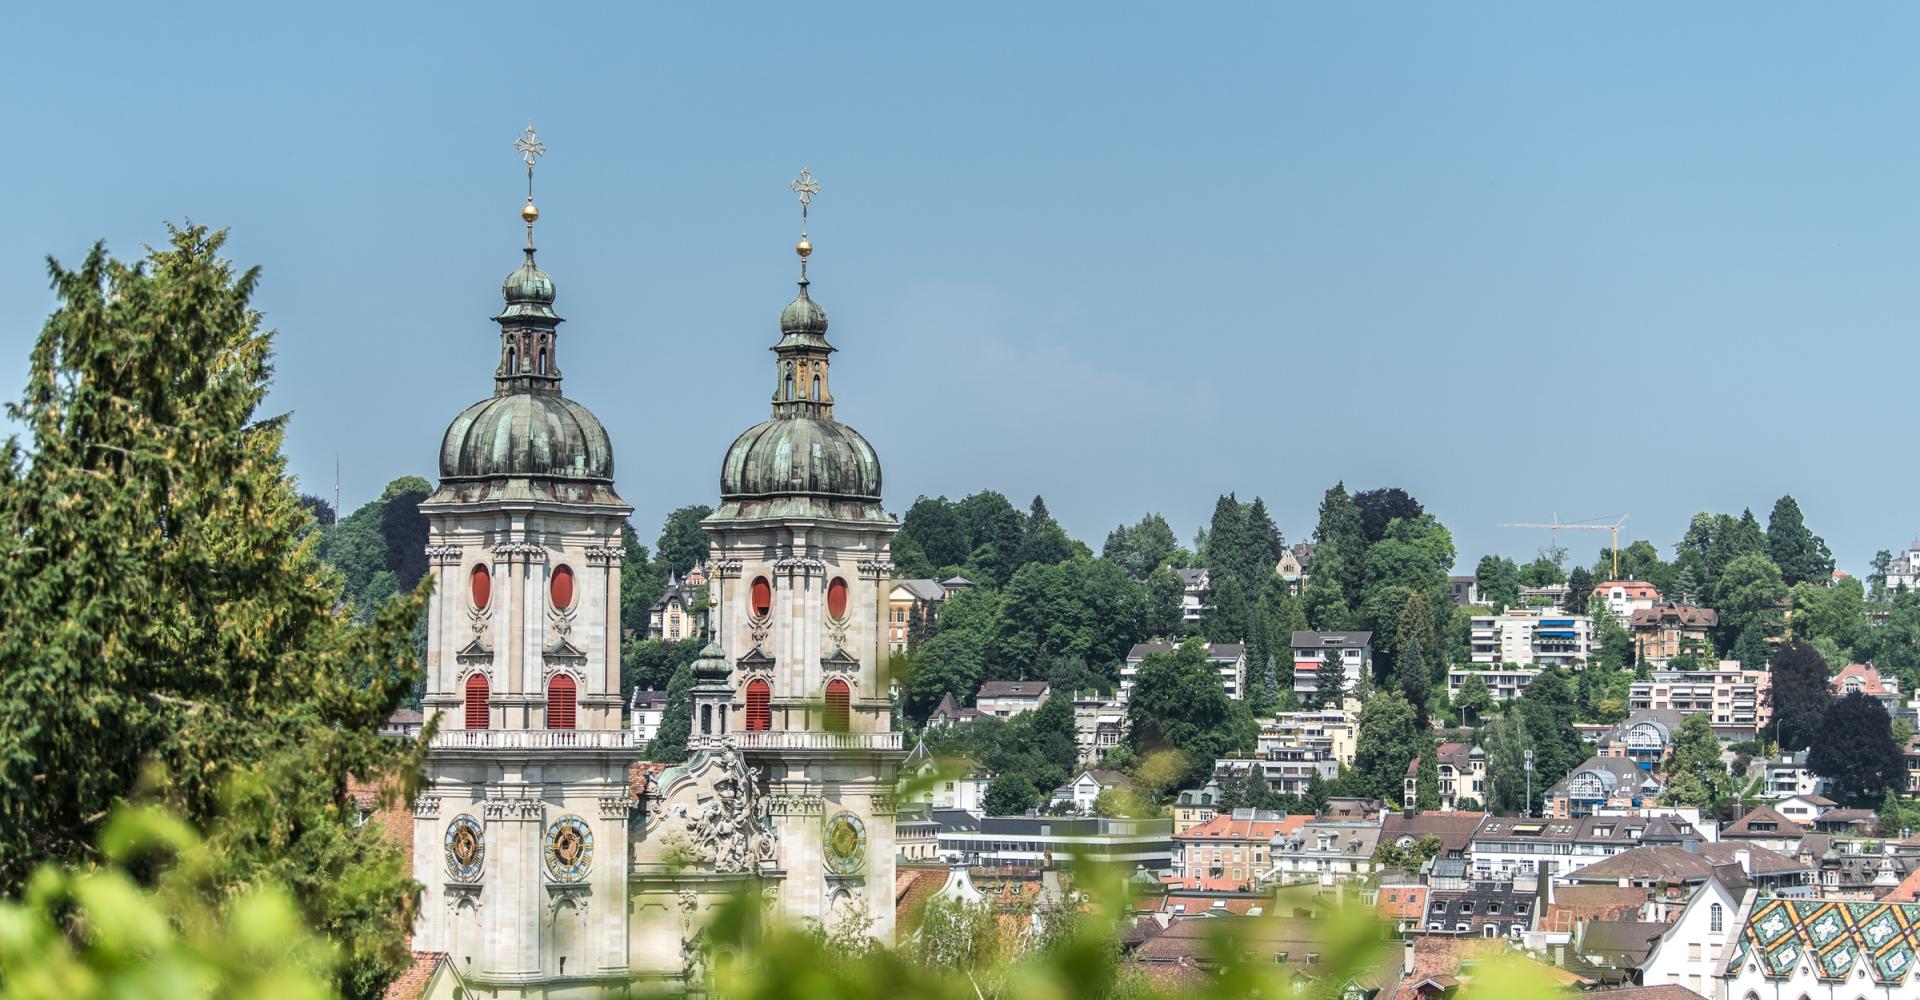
(1665, 861)
(1011, 689)
(1215, 650)
(925, 590)
(1614, 773)
(1330, 640)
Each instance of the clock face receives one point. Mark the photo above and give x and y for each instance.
(569, 849)
(466, 849)
(844, 843)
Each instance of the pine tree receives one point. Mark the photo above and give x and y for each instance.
(168, 629)
(1426, 781)
(1801, 555)
(669, 744)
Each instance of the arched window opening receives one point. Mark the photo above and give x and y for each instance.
(837, 598)
(560, 588)
(1716, 918)
(759, 706)
(543, 361)
(706, 720)
(560, 702)
(477, 701)
(836, 716)
(513, 361)
(762, 597)
(816, 387)
(480, 587)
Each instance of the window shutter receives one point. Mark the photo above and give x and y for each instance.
(838, 695)
(759, 706)
(477, 701)
(560, 702)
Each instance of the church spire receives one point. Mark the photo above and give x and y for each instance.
(801, 388)
(529, 337)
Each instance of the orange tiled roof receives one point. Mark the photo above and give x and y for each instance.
(1908, 891)
(1402, 901)
(412, 983)
(1224, 827)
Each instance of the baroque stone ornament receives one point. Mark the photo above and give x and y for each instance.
(731, 828)
(569, 849)
(466, 849)
(844, 844)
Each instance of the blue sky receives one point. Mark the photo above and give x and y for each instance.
(1517, 259)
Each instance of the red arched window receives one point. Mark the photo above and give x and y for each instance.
(759, 706)
(480, 587)
(762, 597)
(560, 702)
(561, 587)
(837, 598)
(477, 701)
(838, 695)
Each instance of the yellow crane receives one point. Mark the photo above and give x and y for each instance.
(1586, 525)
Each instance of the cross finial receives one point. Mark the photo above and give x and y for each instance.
(531, 149)
(806, 187)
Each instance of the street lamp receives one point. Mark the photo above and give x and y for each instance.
(1529, 764)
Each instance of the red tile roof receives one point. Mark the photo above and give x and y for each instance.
(412, 983)
(1222, 826)
(1397, 902)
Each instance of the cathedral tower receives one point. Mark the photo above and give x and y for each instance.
(798, 574)
(520, 835)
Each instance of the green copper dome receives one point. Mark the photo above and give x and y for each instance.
(797, 455)
(533, 435)
(529, 293)
(803, 316)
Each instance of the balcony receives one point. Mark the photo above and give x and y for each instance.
(815, 741)
(534, 739)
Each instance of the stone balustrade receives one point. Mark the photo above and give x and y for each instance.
(534, 739)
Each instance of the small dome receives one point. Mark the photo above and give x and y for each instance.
(803, 316)
(528, 291)
(800, 456)
(526, 434)
(712, 665)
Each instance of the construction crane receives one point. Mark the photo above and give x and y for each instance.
(1582, 525)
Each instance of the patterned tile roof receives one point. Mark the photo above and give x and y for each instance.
(1833, 936)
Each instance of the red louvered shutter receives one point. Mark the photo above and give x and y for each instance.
(477, 701)
(759, 706)
(838, 696)
(762, 597)
(560, 702)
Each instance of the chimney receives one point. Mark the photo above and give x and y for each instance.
(1406, 957)
(1744, 858)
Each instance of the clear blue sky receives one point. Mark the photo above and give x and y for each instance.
(1518, 260)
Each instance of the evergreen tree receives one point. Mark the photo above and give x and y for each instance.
(682, 541)
(1473, 700)
(1697, 775)
(1426, 782)
(1549, 708)
(1387, 740)
(1165, 613)
(1506, 742)
(1498, 581)
(669, 744)
(1340, 547)
(1801, 555)
(1266, 539)
(169, 634)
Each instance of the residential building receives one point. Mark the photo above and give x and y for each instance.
(1324, 851)
(1864, 678)
(1009, 698)
(915, 833)
(944, 784)
(1333, 730)
(1600, 783)
(1196, 586)
(1788, 775)
(1314, 651)
(673, 616)
(911, 601)
(1504, 683)
(1737, 700)
(1815, 948)
(1904, 572)
(1625, 597)
(1087, 786)
(1288, 770)
(1454, 830)
(1464, 591)
(1099, 725)
(1230, 850)
(1050, 841)
(1463, 775)
(1646, 737)
(1552, 596)
(1194, 806)
(950, 713)
(1228, 658)
(1291, 569)
(1531, 636)
(403, 724)
(1804, 809)
(1489, 908)
(644, 712)
(1667, 630)
(1661, 865)
(1763, 826)
(1603, 835)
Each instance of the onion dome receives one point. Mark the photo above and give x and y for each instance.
(529, 293)
(526, 435)
(803, 317)
(800, 456)
(711, 665)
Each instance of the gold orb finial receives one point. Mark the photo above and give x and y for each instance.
(529, 212)
(804, 248)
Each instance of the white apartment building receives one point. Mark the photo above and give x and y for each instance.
(1332, 731)
(1313, 651)
(1904, 571)
(1624, 597)
(1229, 658)
(1532, 636)
(1504, 683)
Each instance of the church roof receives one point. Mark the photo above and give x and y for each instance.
(1835, 937)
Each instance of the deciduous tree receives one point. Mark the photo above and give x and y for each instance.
(1854, 750)
(1797, 694)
